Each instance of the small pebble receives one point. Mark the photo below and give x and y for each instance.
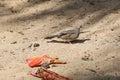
(112, 29)
(30, 46)
(36, 45)
(94, 71)
(21, 33)
(11, 30)
(14, 42)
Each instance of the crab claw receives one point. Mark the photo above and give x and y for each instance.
(45, 59)
(48, 75)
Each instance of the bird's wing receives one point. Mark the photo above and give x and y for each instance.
(68, 32)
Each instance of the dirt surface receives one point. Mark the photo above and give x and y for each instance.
(94, 56)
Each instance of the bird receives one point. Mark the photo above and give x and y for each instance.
(67, 35)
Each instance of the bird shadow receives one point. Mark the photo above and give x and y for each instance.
(72, 42)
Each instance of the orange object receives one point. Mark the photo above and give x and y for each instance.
(48, 75)
(34, 62)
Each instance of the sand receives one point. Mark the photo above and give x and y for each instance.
(94, 56)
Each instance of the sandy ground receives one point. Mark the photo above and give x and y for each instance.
(94, 56)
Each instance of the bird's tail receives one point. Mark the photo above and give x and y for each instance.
(50, 37)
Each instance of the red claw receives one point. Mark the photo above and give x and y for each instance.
(38, 61)
(48, 75)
